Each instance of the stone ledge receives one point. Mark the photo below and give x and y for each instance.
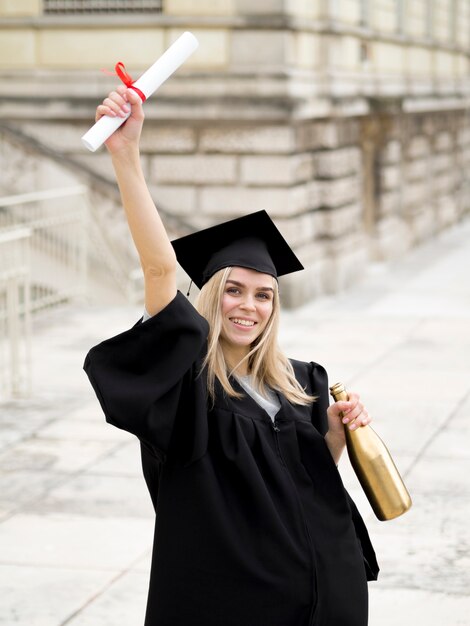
(253, 18)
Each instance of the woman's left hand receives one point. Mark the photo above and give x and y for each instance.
(351, 412)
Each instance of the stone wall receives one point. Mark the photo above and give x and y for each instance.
(313, 177)
(422, 179)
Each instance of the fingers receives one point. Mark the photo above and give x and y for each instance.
(132, 97)
(115, 105)
(353, 413)
(118, 104)
(136, 102)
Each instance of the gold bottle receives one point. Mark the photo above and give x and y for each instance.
(374, 468)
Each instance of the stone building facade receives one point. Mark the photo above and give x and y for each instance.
(346, 119)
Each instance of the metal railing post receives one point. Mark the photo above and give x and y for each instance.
(15, 324)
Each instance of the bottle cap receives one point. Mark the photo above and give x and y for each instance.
(337, 388)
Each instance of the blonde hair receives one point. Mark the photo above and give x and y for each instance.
(266, 362)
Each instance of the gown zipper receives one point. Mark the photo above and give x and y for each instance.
(277, 430)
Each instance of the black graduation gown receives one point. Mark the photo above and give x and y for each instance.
(253, 524)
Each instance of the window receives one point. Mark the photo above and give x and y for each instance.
(430, 19)
(453, 21)
(400, 16)
(67, 7)
(364, 13)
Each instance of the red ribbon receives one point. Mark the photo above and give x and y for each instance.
(127, 80)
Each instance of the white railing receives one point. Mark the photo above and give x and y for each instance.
(44, 254)
(57, 221)
(70, 236)
(15, 312)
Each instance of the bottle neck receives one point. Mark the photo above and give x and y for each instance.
(338, 391)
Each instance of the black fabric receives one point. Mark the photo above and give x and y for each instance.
(251, 241)
(253, 526)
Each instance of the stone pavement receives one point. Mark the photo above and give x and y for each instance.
(76, 522)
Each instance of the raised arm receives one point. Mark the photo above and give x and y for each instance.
(155, 251)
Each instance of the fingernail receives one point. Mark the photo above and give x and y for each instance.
(126, 108)
(345, 420)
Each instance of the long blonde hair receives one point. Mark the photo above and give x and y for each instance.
(266, 362)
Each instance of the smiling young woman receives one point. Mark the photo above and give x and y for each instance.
(234, 351)
(239, 443)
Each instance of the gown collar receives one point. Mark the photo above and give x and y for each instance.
(252, 408)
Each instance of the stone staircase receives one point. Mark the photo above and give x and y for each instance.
(113, 267)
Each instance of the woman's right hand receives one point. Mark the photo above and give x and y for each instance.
(117, 104)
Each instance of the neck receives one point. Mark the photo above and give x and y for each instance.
(233, 356)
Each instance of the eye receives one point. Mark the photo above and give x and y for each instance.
(263, 295)
(232, 290)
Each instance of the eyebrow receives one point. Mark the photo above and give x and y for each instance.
(238, 284)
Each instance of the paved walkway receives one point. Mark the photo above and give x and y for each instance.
(75, 519)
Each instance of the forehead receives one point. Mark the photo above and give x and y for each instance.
(250, 277)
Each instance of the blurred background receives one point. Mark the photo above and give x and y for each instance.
(347, 120)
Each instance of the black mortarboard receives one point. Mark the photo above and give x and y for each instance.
(251, 241)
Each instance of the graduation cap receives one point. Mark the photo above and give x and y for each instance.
(251, 241)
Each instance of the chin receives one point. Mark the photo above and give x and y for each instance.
(236, 341)
(242, 341)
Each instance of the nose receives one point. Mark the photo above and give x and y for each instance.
(248, 303)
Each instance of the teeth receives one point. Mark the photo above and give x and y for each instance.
(243, 322)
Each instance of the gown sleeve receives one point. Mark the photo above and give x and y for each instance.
(142, 376)
(319, 383)
(319, 387)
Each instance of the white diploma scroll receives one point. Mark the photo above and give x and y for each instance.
(149, 82)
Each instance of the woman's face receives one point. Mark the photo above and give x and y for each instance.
(247, 305)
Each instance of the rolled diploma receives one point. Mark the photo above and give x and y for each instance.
(149, 82)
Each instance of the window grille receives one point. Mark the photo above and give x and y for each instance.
(83, 7)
